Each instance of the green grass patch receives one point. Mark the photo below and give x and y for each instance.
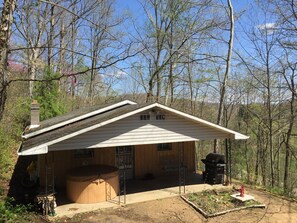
(10, 212)
(212, 202)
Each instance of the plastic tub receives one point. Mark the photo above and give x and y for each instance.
(92, 184)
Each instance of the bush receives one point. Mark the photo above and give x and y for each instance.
(13, 213)
(11, 127)
(6, 162)
(48, 96)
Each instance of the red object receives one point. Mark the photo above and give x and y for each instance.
(241, 190)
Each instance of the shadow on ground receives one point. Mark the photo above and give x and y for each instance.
(171, 180)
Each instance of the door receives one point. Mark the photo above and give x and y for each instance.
(125, 160)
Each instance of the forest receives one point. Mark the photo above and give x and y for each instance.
(229, 62)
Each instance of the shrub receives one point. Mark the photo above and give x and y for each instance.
(13, 213)
(48, 96)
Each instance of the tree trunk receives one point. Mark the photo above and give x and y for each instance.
(189, 69)
(171, 63)
(73, 35)
(92, 78)
(50, 38)
(270, 128)
(32, 69)
(62, 85)
(150, 94)
(158, 96)
(227, 71)
(288, 137)
(5, 27)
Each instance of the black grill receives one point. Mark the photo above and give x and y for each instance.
(214, 168)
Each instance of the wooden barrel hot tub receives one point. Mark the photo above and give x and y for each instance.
(92, 184)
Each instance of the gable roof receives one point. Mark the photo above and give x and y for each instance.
(78, 115)
(36, 141)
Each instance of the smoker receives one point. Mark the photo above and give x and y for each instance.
(214, 168)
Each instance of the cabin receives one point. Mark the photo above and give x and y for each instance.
(92, 152)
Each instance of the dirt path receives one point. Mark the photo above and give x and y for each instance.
(175, 210)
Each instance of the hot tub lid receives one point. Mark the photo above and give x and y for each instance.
(91, 171)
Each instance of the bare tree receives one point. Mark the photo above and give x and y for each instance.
(32, 20)
(224, 83)
(5, 28)
(171, 25)
(286, 15)
(289, 74)
(105, 41)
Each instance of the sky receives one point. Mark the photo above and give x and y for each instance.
(134, 8)
(135, 5)
(242, 7)
(250, 18)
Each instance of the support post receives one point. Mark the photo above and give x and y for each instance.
(227, 181)
(182, 169)
(230, 162)
(122, 174)
(48, 199)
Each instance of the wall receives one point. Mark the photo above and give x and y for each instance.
(134, 131)
(66, 160)
(147, 160)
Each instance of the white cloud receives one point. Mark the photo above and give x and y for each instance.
(117, 74)
(268, 27)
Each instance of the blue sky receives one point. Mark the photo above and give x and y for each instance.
(135, 7)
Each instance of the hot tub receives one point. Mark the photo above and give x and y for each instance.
(92, 184)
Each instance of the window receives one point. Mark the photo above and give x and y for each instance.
(164, 147)
(84, 153)
(145, 117)
(160, 117)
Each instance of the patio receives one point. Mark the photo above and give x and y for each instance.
(139, 191)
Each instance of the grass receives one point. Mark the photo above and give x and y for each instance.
(10, 212)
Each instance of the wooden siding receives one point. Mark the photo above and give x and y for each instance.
(133, 131)
(65, 161)
(147, 160)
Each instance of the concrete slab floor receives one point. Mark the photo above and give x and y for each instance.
(73, 208)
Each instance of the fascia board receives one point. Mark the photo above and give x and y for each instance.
(41, 149)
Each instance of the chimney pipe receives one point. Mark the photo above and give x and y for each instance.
(34, 114)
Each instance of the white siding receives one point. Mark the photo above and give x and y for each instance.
(133, 131)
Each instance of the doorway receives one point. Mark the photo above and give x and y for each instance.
(125, 160)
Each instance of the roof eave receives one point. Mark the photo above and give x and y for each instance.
(241, 137)
(37, 150)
